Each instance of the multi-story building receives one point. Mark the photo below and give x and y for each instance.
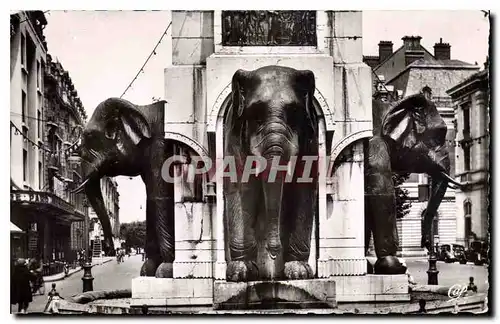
(64, 119)
(471, 100)
(409, 70)
(109, 189)
(28, 51)
(46, 116)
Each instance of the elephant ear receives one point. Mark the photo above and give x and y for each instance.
(406, 120)
(134, 124)
(307, 84)
(238, 85)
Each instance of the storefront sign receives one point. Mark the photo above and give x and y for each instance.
(60, 189)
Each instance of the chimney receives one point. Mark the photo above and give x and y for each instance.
(412, 42)
(413, 50)
(442, 50)
(384, 50)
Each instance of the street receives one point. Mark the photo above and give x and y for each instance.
(107, 276)
(118, 276)
(450, 273)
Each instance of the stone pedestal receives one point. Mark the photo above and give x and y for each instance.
(291, 294)
(193, 241)
(171, 292)
(372, 288)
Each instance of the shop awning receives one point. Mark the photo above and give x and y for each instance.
(15, 229)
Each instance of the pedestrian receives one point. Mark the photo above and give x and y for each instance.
(21, 278)
(472, 287)
(422, 303)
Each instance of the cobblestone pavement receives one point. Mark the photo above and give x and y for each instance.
(118, 276)
(107, 276)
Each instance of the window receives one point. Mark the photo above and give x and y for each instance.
(40, 175)
(39, 123)
(191, 183)
(38, 76)
(25, 165)
(466, 115)
(467, 207)
(468, 219)
(466, 149)
(23, 50)
(24, 106)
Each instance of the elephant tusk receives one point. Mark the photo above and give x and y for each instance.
(80, 187)
(447, 177)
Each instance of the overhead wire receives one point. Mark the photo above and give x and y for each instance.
(153, 52)
(29, 18)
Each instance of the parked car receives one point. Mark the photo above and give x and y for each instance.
(459, 251)
(478, 252)
(446, 254)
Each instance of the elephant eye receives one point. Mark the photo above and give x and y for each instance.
(110, 131)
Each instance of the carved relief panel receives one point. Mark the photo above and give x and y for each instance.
(269, 28)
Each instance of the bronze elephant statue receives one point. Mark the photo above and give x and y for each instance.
(126, 139)
(271, 117)
(409, 137)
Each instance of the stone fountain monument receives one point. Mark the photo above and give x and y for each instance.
(208, 47)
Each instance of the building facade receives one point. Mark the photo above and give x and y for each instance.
(65, 118)
(409, 70)
(471, 100)
(28, 51)
(46, 116)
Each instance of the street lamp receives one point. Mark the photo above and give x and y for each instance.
(432, 273)
(87, 266)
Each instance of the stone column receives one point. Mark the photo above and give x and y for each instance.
(185, 92)
(341, 225)
(341, 231)
(220, 263)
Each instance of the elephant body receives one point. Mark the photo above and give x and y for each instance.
(410, 138)
(125, 139)
(271, 117)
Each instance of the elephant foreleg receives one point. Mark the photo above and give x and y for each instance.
(165, 226)
(152, 249)
(299, 211)
(241, 202)
(381, 208)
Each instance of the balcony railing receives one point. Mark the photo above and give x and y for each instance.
(40, 197)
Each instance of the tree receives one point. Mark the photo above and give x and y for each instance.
(133, 233)
(403, 203)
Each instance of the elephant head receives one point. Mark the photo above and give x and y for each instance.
(271, 108)
(113, 144)
(416, 134)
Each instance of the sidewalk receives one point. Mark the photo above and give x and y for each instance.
(61, 276)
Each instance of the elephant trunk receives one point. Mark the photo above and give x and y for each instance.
(273, 193)
(92, 188)
(276, 140)
(93, 191)
(439, 184)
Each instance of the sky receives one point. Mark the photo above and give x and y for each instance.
(103, 51)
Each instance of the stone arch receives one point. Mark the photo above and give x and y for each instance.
(220, 105)
(199, 149)
(196, 147)
(344, 143)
